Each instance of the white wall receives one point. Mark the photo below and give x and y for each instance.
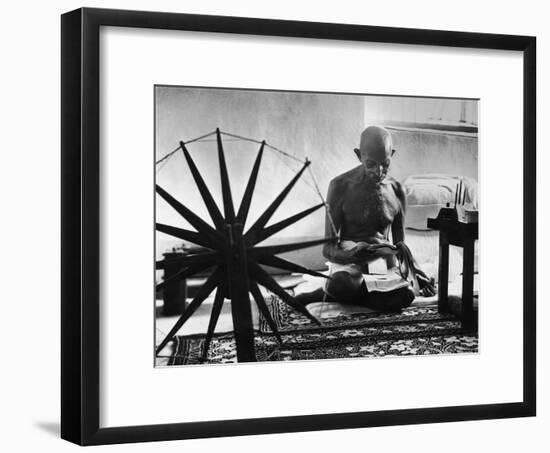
(30, 230)
(420, 152)
(421, 110)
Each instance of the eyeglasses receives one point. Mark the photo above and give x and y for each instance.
(372, 164)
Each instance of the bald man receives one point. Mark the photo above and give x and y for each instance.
(366, 204)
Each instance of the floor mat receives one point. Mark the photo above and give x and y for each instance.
(413, 331)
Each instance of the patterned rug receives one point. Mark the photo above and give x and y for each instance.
(413, 331)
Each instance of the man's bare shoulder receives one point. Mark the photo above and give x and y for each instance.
(348, 177)
(396, 183)
(397, 187)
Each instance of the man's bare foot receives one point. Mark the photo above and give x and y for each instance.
(314, 296)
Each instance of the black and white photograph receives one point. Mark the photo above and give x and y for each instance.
(296, 225)
(276, 226)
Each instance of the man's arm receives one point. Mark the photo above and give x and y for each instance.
(333, 224)
(427, 285)
(398, 224)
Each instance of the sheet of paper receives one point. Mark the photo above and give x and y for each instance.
(384, 283)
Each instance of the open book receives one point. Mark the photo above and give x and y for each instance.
(385, 282)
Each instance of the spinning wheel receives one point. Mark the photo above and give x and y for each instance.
(234, 255)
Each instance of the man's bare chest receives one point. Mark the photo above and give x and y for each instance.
(375, 206)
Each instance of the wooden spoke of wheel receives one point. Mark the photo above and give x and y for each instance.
(201, 295)
(260, 301)
(214, 315)
(184, 273)
(254, 237)
(268, 213)
(186, 235)
(200, 225)
(264, 279)
(283, 248)
(275, 261)
(249, 191)
(211, 205)
(229, 210)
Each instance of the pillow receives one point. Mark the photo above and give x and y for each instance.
(427, 194)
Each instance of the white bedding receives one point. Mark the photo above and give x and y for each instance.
(427, 194)
(424, 246)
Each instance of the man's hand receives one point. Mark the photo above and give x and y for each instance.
(427, 285)
(364, 251)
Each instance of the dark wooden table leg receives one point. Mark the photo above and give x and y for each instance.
(468, 320)
(174, 294)
(443, 274)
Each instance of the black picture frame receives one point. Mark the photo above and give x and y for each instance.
(80, 188)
